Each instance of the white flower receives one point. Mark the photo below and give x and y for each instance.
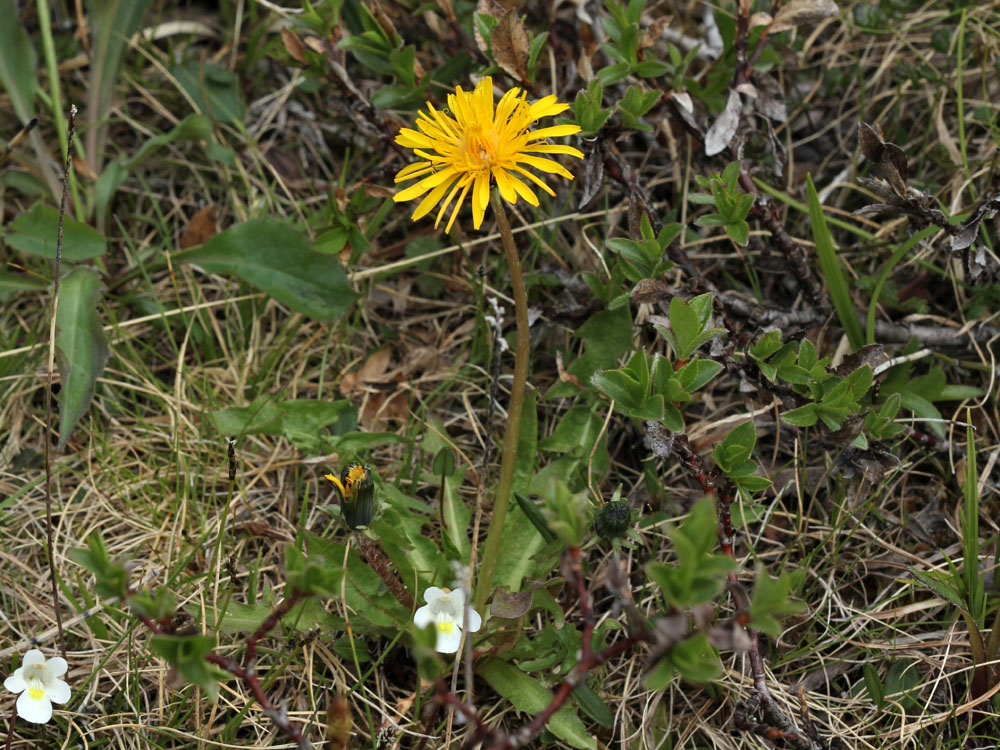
(37, 680)
(444, 609)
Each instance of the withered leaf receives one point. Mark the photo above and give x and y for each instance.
(770, 100)
(200, 229)
(888, 158)
(870, 354)
(338, 723)
(797, 12)
(294, 46)
(654, 32)
(659, 439)
(729, 636)
(651, 291)
(636, 208)
(593, 174)
(489, 8)
(509, 605)
(849, 430)
(871, 142)
(724, 127)
(511, 45)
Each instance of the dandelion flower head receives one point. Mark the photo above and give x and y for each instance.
(37, 680)
(473, 144)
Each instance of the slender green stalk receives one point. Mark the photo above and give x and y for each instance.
(491, 549)
(959, 94)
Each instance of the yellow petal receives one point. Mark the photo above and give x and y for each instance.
(534, 179)
(481, 191)
(507, 191)
(523, 190)
(458, 203)
(552, 148)
(459, 183)
(555, 131)
(546, 165)
(546, 107)
(416, 169)
(415, 191)
(433, 197)
(412, 139)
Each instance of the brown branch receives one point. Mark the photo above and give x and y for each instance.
(247, 674)
(377, 561)
(249, 678)
(48, 389)
(885, 331)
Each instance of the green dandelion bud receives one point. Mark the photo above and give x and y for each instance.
(357, 495)
(613, 520)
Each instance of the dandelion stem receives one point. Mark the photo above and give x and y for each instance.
(513, 430)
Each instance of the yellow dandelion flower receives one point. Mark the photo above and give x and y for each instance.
(474, 143)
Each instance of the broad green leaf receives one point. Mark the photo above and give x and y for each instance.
(605, 342)
(529, 697)
(17, 282)
(527, 444)
(36, 230)
(275, 258)
(456, 514)
(18, 61)
(519, 543)
(81, 347)
(592, 705)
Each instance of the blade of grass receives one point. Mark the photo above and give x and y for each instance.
(901, 251)
(791, 202)
(832, 272)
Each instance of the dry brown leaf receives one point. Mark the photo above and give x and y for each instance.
(383, 20)
(80, 165)
(489, 8)
(338, 724)
(724, 127)
(797, 12)
(760, 19)
(294, 46)
(655, 30)
(511, 45)
(200, 229)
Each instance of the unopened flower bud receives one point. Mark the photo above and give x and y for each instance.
(613, 520)
(357, 495)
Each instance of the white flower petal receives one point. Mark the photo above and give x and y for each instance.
(15, 683)
(447, 642)
(55, 667)
(37, 711)
(423, 616)
(433, 593)
(475, 620)
(57, 691)
(32, 657)
(458, 599)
